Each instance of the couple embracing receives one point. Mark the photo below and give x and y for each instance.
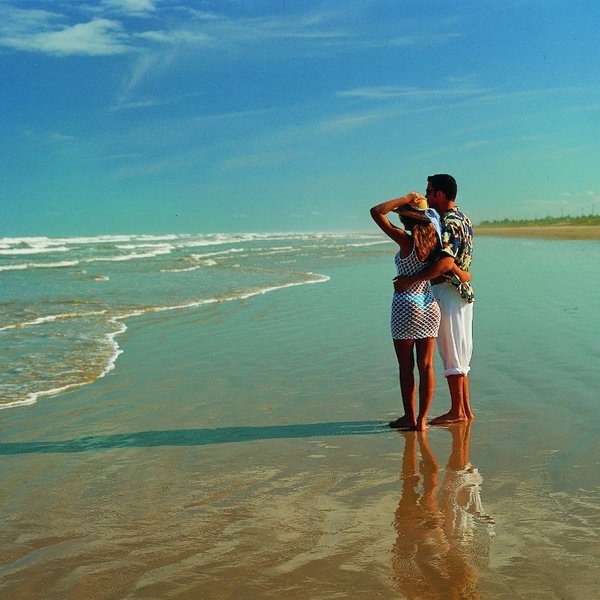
(432, 298)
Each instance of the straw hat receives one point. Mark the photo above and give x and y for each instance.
(422, 213)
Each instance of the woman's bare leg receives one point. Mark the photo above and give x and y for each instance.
(406, 366)
(425, 350)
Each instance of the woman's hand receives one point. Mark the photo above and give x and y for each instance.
(414, 198)
(379, 214)
(464, 276)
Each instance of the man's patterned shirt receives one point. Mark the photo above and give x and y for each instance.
(457, 242)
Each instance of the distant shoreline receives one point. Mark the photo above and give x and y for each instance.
(561, 232)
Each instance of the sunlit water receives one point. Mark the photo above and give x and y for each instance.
(187, 417)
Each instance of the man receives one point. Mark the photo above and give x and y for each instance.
(455, 338)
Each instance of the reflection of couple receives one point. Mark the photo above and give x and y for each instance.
(432, 250)
(437, 546)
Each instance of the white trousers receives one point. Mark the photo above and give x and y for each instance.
(455, 338)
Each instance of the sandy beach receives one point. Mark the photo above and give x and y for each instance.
(559, 232)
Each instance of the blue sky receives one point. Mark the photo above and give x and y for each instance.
(155, 116)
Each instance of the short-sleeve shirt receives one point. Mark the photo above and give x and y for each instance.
(457, 242)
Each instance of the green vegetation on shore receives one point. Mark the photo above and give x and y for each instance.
(553, 221)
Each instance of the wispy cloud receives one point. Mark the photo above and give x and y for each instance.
(17, 22)
(47, 139)
(143, 64)
(240, 32)
(581, 196)
(180, 36)
(130, 7)
(414, 39)
(396, 92)
(294, 141)
(530, 94)
(350, 122)
(148, 103)
(98, 37)
(43, 31)
(62, 34)
(151, 102)
(115, 28)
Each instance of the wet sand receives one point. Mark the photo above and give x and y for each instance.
(457, 512)
(561, 232)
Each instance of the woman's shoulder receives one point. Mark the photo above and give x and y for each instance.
(406, 247)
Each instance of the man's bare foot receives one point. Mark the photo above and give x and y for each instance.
(403, 423)
(448, 418)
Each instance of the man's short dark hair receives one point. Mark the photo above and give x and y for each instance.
(444, 183)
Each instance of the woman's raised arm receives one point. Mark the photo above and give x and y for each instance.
(380, 211)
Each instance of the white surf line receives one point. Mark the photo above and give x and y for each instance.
(54, 265)
(51, 318)
(22, 251)
(216, 253)
(110, 337)
(162, 249)
(185, 269)
(243, 296)
(205, 259)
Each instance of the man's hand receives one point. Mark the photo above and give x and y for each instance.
(401, 284)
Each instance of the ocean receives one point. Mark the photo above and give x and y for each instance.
(205, 416)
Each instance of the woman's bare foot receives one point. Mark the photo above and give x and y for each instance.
(403, 423)
(448, 418)
(422, 424)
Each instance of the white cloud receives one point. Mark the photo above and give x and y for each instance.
(131, 7)
(148, 102)
(394, 92)
(98, 37)
(350, 122)
(415, 39)
(30, 31)
(138, 104)
(200, 14)
(112, 31)
(176, 37)
(143, 65)
(17, 24)
(47, 139)
(58, 34)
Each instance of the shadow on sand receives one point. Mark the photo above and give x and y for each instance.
(195, 437)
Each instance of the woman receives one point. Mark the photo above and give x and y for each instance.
(415, 313)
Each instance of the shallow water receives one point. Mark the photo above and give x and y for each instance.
(239, 449)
